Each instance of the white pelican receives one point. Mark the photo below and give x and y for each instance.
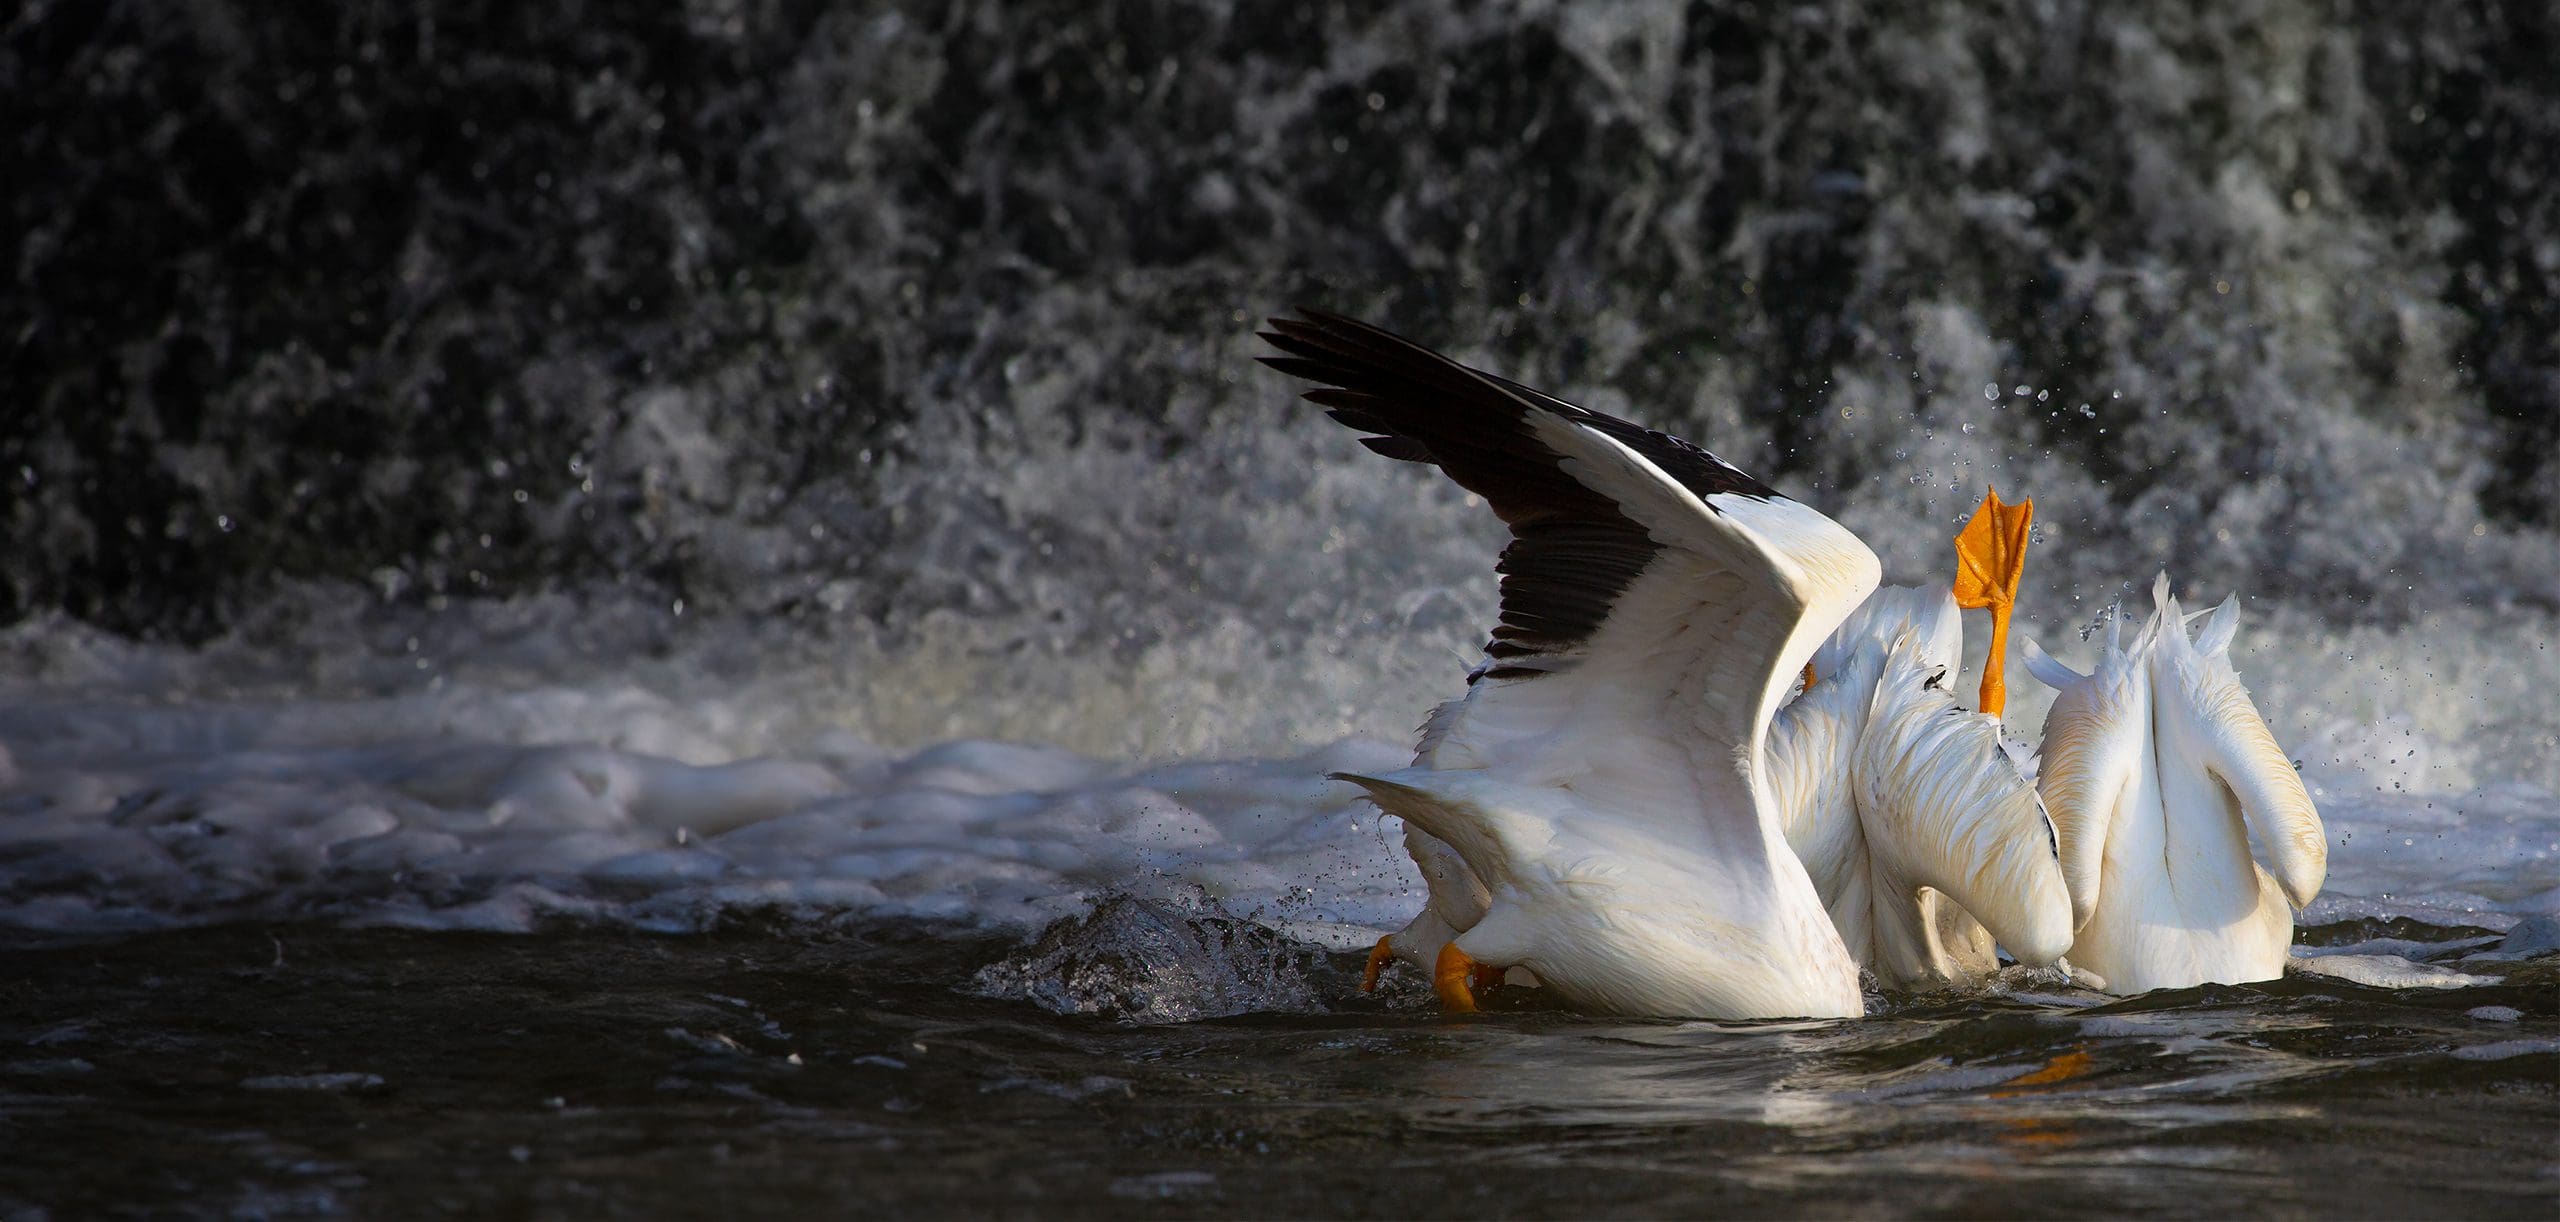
(1917, 826)
(2157, 768)
(1598, 806)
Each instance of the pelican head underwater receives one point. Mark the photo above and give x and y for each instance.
(1928, 843)
(1602, 806)
(2158, 768)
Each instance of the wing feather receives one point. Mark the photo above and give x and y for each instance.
(1656, 601)
(1946, 808)
(2199, 685)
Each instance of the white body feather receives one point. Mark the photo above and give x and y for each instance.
(1614, 813)
(1909, 816)
(2157, 768)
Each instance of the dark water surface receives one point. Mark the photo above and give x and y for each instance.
(307, 1070)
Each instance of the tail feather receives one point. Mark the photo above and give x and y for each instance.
(1484, 835)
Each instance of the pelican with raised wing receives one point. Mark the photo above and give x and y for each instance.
(1598, 806)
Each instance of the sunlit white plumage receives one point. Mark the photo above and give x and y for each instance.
(2157, 769)
(1603, 777)
(1917, 828)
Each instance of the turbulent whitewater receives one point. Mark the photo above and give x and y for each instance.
(650, 607)
(828, 473)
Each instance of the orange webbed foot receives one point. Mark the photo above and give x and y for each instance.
(1380, 956)
(1991, 551)
(1453, 976)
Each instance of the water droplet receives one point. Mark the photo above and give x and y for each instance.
(1991, 391)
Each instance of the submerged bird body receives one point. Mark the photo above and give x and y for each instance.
(1617, 917)
(2157, 767)
(1916, 827)
(1602, 778)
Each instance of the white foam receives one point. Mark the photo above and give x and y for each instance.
(2388, 972)
(2504, 1049)
(135, 816)
(497, 765)
(466, 804)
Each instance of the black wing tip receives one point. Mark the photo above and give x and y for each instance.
(1364, 359)
(1338, 333)
(1309, 314)
(1402, 449)
(1310, 321)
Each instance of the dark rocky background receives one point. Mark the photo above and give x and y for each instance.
(461, 298)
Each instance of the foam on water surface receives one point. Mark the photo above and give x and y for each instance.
(465, 802)
(432, 810)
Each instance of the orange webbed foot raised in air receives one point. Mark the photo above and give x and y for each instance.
(1991, 551)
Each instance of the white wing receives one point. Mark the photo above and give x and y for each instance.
(2201, 706)
(1945, 807)
(2097, 743)
(1928, 613)
(1812, 742)
(2182, 706)
(1657, 603)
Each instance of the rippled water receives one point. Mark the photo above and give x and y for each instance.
(294, 1069)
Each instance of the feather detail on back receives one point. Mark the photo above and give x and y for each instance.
(2097, 745)
(2203, 709)
(2158, 770)
(1908, 812)
(1960, 817)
